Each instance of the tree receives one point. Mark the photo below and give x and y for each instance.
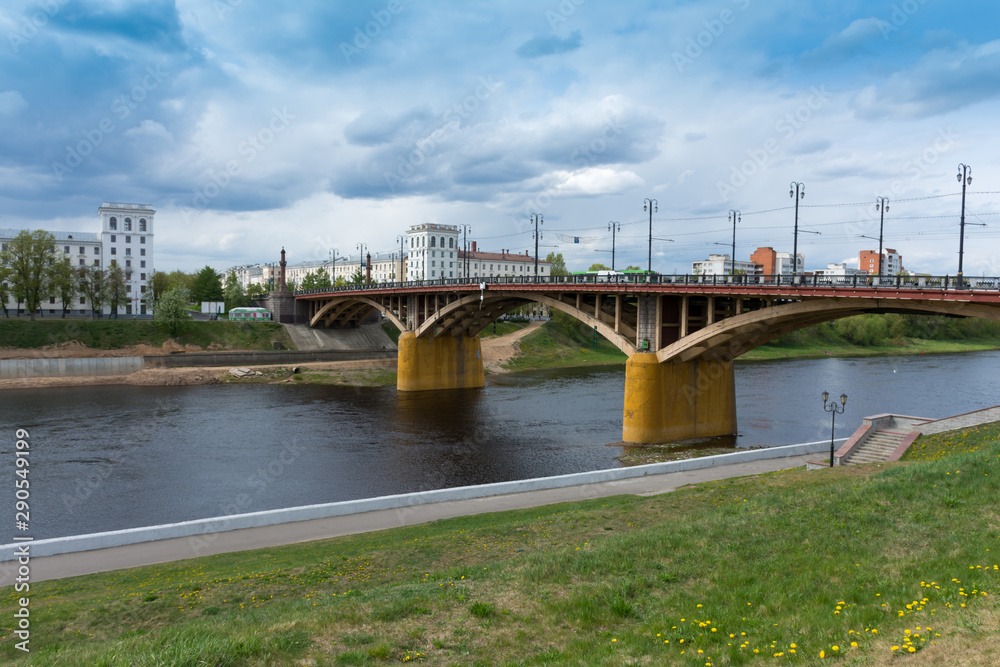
(159, 283)
(316, 280)
(340, 282)
(207, 285)
(63, 283)
(178, 278)
(558, 264)
(255, 291)
(92, 283)
(598, 267)
(632, 267)
(357, 277)
(235, 296)
(4, 289)
(29, 256)
(117, 287)
(171, 310)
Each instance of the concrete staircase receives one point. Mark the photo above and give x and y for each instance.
(877, 447)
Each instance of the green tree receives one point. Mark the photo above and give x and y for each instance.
(207, 285)
(4, 289)
(117, 287)
(235, 296)
(171, 310)
(318, 279)
(255, 291)
(29, 257)
(92, 283)
(599, 267)
(558, 264)
(178, 278)
(62, 283)
(633, 267)
(339, 282)
(159, 283)
(357, 277)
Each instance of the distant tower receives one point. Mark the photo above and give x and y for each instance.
(282, 285)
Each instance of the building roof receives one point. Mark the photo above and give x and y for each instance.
(499, 257)
(146, 208)
(88, 237)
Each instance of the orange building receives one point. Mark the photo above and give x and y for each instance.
(766, 258)
(892, 262)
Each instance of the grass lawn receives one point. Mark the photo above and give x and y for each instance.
(561, 343)
(891, 564)
(108, 334)
(819, 350)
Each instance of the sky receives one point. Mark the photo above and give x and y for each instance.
(320, 125)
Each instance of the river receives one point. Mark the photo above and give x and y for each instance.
(111, 457)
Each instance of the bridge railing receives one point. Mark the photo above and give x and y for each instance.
(857, 281)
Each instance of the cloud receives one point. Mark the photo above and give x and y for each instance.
(537, 47)
(691, 137)
(944, 80)
(852, 42)
(11, 102)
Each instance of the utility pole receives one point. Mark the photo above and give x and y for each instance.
(536, 220)
(466, 228)
(614, 226)
(965, 177)
(797, 191)
(735, 216)
(653, 206)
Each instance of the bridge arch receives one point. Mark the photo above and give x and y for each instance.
(353, 308)
(731, 337)
(472, 313)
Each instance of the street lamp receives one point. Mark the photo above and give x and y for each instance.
(881, 205)
(735, 216)
(615, 227)
(653, 206)
(465, 228)
(536, 220)
(965, 178)
(797, 191)
(834, 411)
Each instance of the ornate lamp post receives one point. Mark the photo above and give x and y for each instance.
(614, 226)
(653, 206)
(536, 220)
(797, 191)
(834, 411)
(735, 216)
(965, 178)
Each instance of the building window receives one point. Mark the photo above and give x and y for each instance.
(142, 239)
(83, 300)
(52, 299)
(451, 243)
(433, 239)
(113, 223)
(114, 238)
(128, 263)
(128, 239)
(128, 251)
(66, 249)
(142, 264)
(81, 249)
(142, 276)
(128, 224)
(114, 251)
(97, 262)
(82, 261)
(97, 251)
(142, 224)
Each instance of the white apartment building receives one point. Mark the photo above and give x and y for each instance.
(838, 271)
(503, 264)
(722, 265)
(126, 238)
(432, 252)
(385, 268)
(783, 263)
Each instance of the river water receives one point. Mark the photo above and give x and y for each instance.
(112, 457)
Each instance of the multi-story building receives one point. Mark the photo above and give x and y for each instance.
(505, 264)
(126, 238)
(432, 251)
(892, 262)
(385, 268)
(777, 263)
(722, 265)
(838, 271)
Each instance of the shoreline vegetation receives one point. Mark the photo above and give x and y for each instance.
(864, 564)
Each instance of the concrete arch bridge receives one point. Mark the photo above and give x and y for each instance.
(681, 333)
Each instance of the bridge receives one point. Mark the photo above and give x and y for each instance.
(681, 333)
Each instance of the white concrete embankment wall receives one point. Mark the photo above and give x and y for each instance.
(39, 368)
(62, 545)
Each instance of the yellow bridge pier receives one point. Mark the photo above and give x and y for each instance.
(677, 400)
(442, 362)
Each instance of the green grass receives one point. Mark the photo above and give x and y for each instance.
(391, 331)
(115, 334)
(850, 562)
(939, 445)
(564, 342)
(815, 350)
(498, 329)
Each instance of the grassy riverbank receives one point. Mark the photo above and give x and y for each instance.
(862, 565)
(116, 334)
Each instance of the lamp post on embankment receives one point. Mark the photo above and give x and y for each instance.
(834, 411)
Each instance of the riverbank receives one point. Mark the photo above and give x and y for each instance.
(719, 573)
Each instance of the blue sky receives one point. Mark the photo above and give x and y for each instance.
(316, 125)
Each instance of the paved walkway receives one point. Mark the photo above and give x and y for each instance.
(164, 551)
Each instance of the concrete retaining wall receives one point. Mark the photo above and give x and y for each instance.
(37, 368)
(984, 416)
(62, 545)
(261, 358)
